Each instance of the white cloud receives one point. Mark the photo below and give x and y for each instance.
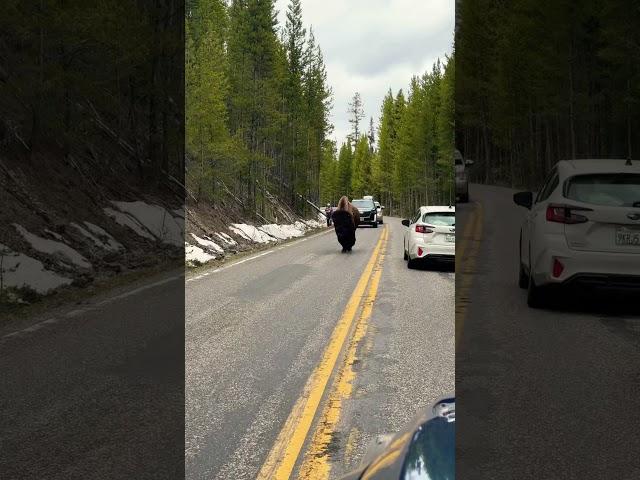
(373, 45)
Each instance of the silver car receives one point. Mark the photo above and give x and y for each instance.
(462, 179)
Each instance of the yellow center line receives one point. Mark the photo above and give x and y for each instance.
(285, 451)
(472, 236)
(316, 464)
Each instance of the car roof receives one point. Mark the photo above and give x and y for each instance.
(568, 168)
(439, 208)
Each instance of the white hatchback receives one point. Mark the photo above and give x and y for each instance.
(431, 235)
(583, 228)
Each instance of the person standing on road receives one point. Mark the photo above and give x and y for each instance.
(328, 211)
(345, 222)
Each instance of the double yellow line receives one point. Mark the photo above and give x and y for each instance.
(285, 452)
(466, 256)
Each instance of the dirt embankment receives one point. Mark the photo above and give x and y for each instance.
(215, 233)
(73, 223)
(70, 221)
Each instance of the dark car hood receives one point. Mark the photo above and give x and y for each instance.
(427, 444)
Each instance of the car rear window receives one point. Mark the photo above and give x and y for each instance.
(447, 219)
(610, 189)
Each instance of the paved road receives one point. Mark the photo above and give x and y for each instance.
(96, 391)
(541, 394)
(256, 333)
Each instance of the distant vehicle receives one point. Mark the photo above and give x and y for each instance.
(425, 449)
(368, 211)
(431, 235)
(379, 209)
(583, 228)
(462, 179)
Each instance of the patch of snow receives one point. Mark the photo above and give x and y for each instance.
(155, 219)
(252, 233)
(195, 254)
(239, 232)
(226, 238)
(206, 242)
(52, 247)
(108, 241)
(55, 235)
(282, 232)
(20, 270)
(127, 221)
(300, 225)
(315, 223)
(110, 244)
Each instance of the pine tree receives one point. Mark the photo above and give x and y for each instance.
(356, 114)
(345, 160)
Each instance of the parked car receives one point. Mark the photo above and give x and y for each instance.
(379, 209)
(462, 179)
(425, 449)
(368, 211)
(431, 235)
(582, 228)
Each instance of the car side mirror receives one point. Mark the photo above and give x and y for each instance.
(405, 222)
(524, 199)
(469, 162)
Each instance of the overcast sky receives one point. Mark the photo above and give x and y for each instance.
(373, 45)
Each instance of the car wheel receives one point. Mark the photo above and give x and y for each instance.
(375, 224)
(406, 257)
(523, 277)
(411, 263)
(535, 295)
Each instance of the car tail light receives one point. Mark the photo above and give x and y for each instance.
(420, 251)
(566, 214)
(423, 229)
(558, 268)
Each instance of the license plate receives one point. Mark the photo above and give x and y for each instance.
(450, 237)
(624, 236)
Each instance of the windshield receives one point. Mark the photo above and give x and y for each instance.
(363, 204)
(447, 219)
(609, 189)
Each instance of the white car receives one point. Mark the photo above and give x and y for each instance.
(583, 228)
(431, 235)
(379, 209)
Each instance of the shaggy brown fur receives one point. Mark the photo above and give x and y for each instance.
(346, 219)
(345, 204)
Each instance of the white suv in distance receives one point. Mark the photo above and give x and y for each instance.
(583, 228)
(431, 235)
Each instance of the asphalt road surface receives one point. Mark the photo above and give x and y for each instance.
(96, 390)
(541, 394)
(296, 359)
